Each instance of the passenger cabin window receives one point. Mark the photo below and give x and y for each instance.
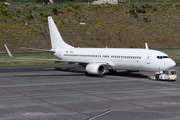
(161, 57)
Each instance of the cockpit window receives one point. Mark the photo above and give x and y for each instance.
(161, 57)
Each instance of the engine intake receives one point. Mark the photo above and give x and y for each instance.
(95, 68)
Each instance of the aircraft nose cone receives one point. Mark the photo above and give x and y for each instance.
(174, 64)
(171, 64)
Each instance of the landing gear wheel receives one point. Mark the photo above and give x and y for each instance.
(112, 72)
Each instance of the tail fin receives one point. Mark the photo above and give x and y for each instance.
(56, 39)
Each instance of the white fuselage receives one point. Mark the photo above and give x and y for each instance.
(119, 58)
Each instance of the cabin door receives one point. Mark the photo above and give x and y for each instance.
(148, 59)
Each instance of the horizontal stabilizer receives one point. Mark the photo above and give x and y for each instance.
(9, 53)
(39, 50)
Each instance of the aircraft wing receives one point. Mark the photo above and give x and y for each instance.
(39, 50)
(58, 60)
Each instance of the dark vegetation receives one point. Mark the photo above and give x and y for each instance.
(122, 25)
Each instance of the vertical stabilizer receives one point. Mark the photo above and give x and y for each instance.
(56, 39)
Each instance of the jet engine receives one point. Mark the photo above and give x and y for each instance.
(95, 68)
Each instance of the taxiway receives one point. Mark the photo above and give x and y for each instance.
(65, 93)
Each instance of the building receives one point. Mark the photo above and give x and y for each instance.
(113, 0)
(109, 1)
(121, 0)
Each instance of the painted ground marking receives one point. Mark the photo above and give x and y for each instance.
(168, 103)
(37, 113)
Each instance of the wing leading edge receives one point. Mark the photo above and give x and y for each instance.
(49, 51)
(54, 60)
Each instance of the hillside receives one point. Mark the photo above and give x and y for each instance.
(123, 25)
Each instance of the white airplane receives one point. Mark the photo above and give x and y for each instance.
(98, 60)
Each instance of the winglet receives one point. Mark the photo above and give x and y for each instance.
(147, 48)
(9, 53)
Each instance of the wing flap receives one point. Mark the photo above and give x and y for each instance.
(50, 51)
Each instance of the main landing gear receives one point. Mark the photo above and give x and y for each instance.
(112, 72)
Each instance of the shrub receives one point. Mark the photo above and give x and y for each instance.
(133, 13)
(79, 19)
(40, 32)
(69, 10)
(143, 11)
(62, 21)
(143, 6)
(61, 12)
(14, 19)
(146, 19)
(4, 12)
(69, 4)
(46, 15)
(13, 35)
(28, 17)
(133, 5)
(45, 20)
(16, 15)
(138, 10)
(41, 14)
(92, 38)
(30, 11)
(1, 40)
(77, 6)
(154, 8)
(76, 13)
(177, 6)
(34, 30)
(55, 11)
(148, 6)
(23, 20)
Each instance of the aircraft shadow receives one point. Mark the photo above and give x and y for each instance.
(119, 73)
(129, 74)
(48, 75)
(79, 71)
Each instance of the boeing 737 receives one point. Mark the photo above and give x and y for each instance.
(99, 60)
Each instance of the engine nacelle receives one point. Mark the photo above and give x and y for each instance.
(95, 68)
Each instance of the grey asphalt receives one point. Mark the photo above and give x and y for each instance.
(66, 93)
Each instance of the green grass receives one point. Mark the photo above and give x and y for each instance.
(8, 61)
